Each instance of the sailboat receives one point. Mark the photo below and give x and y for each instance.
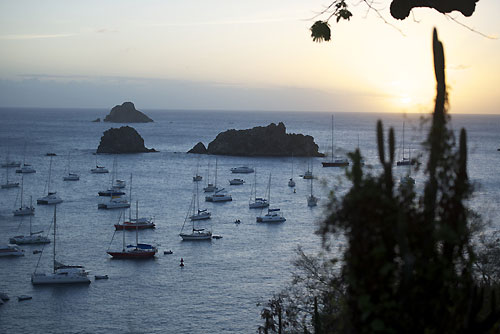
(211, 187)
(197, 177)
(116, 201)
(51, 197)
(7, 184)
(25, 168)
(309, 173)
(311, 199)
(61, 274)
(199, 214)
(115, 188)
(335, 162)
(137, 251)
(259, 202)
(405, 161)
(195, 233)
(133, 223)
(291, 182)
(10, 163)
(273, 215)
(8, 250)
(98, 169)
(23, 210)
(32, 238)
(70, 176)
(219, 196)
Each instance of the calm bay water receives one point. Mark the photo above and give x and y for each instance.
(223, 280)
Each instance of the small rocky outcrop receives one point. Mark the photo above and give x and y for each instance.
(126, 113)
(123, 140)
(199, 149)
(96, 120)
(271, 140)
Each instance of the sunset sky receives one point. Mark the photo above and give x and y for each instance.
(241, 55)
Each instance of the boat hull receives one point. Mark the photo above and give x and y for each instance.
(133, 255)
(26, 211)
(26, 240)
(132, 226)
(48, 201)
(194, 237)
(111, 193)
(10, 185)
(47, 279)
(335, 164)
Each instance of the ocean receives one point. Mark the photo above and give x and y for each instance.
(222, 282)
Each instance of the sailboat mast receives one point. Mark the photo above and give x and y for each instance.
(403, 140)
(123, 231)
(332, 137)
(22, 189)
(50, 172)
(215, 182)
(54, 252)
(130, 201)
(197, 198)
(269, 190)
(137, 225)
(31, 205)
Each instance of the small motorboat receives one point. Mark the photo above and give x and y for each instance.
(23, 297)
(168, 252)
(101, 277)
(216, 236)
(242, 169)
(236, 182)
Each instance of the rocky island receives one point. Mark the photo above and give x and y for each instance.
(271, 140)
(126, 113)
(123, 140)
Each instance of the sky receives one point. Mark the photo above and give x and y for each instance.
(242, 55)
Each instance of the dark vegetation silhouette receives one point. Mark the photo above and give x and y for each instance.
(400, 10)
(410, 264)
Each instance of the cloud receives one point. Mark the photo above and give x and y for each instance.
(34, 36)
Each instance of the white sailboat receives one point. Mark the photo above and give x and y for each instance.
(116, 201)
(25, 168)
(98, 169)
(211, 187)
(10, 163)
(291, 182)
(197, 213)
(272, 215)
(8, 250)
(7, 184)
(335, 161)
(32, 238)
(70, 176)
(404, 161)
(309, 173)
(136, 223)
(61, 274)
(23, 210)
(194, 233)
(197, 177)
(311, 199)
(219, 196)
(51, 197)
(115, 187)
(259, 202)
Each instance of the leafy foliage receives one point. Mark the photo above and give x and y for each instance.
(320, 31)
